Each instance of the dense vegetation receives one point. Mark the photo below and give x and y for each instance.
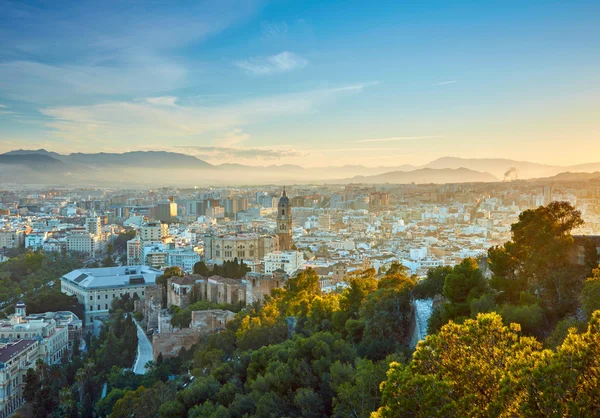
(231, 269)
(332, 365)
(31, 271)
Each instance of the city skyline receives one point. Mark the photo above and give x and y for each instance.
(262, 83)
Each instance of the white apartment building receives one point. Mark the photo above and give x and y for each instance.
(288, 261)
(153, 232)
(12, 238)
(134, 252)
(85, 243)
(96, 288)
(183, 258)
(93, 226)
(35, 240)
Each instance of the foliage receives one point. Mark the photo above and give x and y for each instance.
(537, 258)
(31, 271)
(53, 300)
(590, 295)
(231, 269)
(483, 368)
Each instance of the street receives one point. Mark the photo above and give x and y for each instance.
(144, 351)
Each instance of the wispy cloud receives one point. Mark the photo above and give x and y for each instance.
(441, 83)
(77, 51)
(273, 30)
(233, 153)
(3, 106)
(282, 62)
(399, 138)
(162, 101)
(140, 120)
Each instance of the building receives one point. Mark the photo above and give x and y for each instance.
(53, 336)
(166, 212)
(287, 261)
(16, 357)
(134, 252)
(93, 225)
(96, 288)
(35, 240)
(324, 222)
(221, 248)
(153, 233)
(84, 243)
(12, 238)
(185, 259)
(284, 222)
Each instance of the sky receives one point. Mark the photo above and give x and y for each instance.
(308, 82)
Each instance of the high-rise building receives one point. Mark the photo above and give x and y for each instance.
(284, 222)
(93, 225)
(153, 233)
(166, 212)
(547, 195)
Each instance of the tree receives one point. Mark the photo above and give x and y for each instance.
(433, 284)
(590, 295)
(464, 370)
(538, 257)
(201, 268)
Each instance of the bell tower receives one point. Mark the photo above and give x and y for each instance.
(284, 222)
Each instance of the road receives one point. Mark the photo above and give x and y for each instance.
(144, 351)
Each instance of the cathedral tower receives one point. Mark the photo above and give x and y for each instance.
(284, 222)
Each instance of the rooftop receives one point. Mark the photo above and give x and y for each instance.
(11, 349)
(105, 277)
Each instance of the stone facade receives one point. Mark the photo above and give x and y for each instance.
(211, 320)
(171, 343)
(182, 291)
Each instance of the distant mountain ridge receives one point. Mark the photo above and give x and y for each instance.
(427, 175)
(163, 167)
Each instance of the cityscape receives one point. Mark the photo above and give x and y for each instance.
(299, 209)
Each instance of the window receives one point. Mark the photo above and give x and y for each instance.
(106, 306)
(91, 297)
(91, 308)
(106, 296)
(98, 307)
(142, 293)
(98, 297)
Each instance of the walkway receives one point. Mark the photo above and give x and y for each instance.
(144, 354)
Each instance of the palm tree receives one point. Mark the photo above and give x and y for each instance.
(83, 376)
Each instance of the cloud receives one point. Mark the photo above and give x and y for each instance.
(232, 153)
(399, 138)
(142, 121)
(444, 82)
(273, 30)
(3, 106)
(162, 101)
(78, 51)
(282, 62)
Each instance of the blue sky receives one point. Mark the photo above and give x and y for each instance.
(307, 82)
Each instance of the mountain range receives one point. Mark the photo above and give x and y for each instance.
(168, 168)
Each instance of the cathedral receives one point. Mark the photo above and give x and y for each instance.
(284, 222)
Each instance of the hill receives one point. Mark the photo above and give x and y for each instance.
(427, 175)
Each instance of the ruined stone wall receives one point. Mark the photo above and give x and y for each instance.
(170, 344)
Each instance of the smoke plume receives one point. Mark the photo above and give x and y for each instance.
(511, 174)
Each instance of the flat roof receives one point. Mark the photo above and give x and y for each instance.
(13, 348)
(107, 277)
